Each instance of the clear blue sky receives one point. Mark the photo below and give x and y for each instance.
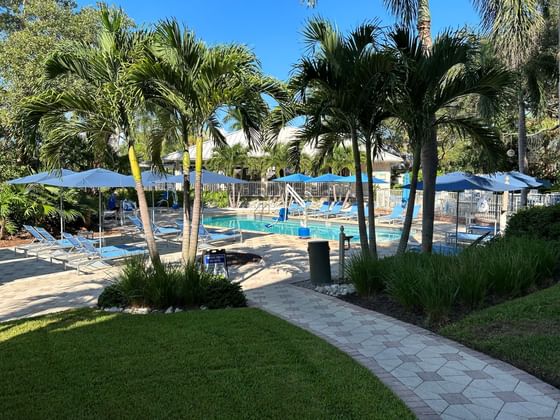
(272, 27)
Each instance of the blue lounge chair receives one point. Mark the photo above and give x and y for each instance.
(208, 237)
(38, 241)
(321, 210)
(396, 214)
(350, 214)
(467, 238)
(104, 254)
(158, 230)
(335, 210)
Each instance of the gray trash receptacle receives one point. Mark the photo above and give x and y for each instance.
(319, 262)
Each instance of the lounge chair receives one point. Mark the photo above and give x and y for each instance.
(103, 254)
(396, 214)
(208, 237)
(321, 210)
(350, 214)
(481, 229)
(38, 241)
(335, 210)
(158, 230)
(467, 238)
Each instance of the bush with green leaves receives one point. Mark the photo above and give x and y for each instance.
(140, 284)
(218, 199)
(435, 284)
(221, 293)
(536, 222)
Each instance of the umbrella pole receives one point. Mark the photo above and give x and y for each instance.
(496, 215)
(61, 215)
(457, 222)
(100, 221)
(153, 207)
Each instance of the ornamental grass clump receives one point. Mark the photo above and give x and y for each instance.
(437, 285)
(366, 274)
(142, 285)
(423, 282)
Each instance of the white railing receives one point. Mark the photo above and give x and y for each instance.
(446, 202)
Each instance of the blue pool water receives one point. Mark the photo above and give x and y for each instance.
(321, 230)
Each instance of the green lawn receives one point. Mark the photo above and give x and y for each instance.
(238, 363)
(524, 332)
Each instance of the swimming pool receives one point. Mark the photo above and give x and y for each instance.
(322, 230)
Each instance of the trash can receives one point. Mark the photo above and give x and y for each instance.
(319, 262)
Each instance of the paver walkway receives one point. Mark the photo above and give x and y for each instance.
(436, 377)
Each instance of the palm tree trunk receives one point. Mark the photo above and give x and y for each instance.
(371, 201)
(144, 211)
(186, 204)
(424, 25)
(429, 172)
(407, 225)
(522, 145)
(197, 204)
(359, 193)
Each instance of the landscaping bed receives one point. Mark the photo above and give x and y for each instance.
(233, 363)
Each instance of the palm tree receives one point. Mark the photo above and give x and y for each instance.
(338, 87)
(195, 82)
(432, 85)
(100, 109)
(227, 159)
(278, 157)
(514, 26)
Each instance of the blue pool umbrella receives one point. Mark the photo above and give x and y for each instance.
(461, 181)
(352, 178)
(152, 177)
(293, 178)
(515, 179)
(93, 178)
(38, 178)
(325, 178)
(41, 176)
(208, 177)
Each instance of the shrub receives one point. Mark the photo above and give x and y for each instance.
(112, 296)
(434, 284)
(140, 284)
(366, 274)
(216, 198)
(221, 293)
(536, 222)
(422, 281)
(471, 275)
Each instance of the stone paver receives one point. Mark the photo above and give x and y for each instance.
(436, 377)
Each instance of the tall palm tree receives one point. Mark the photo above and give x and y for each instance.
(195, 82)
(514, 26)
(100, 109)
(338, 87)
(227, 159)
(431, 88)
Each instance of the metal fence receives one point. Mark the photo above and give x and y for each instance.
(480, 204)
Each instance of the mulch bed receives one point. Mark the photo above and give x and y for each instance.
(12, 241)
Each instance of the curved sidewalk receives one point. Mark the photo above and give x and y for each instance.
(434, 376)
